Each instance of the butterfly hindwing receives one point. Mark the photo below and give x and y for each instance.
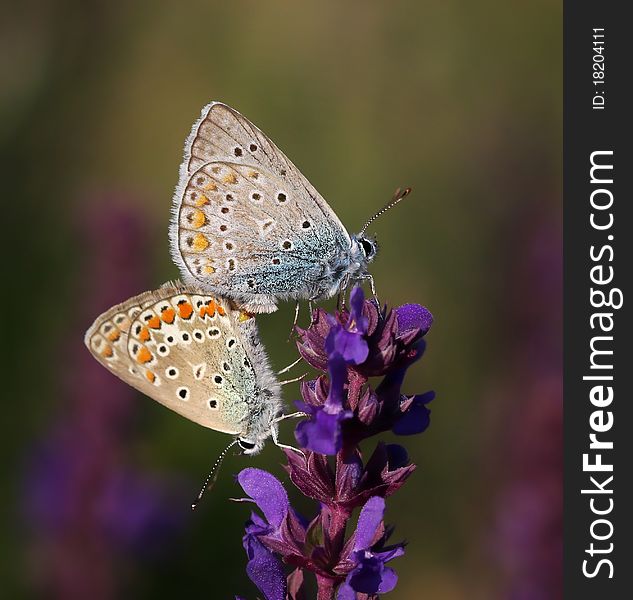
(189, 351)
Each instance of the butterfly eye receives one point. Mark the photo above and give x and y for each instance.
(367, 247)
(245, 444)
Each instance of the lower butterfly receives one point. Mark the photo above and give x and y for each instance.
(197, 355)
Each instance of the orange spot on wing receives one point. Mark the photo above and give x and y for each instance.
(144, 335)
(200, 243)
(185, 310)
(168, 315)
(202, 200)
(245, 316)
(154, 322)
(144, 355)
(208, 309)
(221, 311)
(198, 219)
(253, 174)
(114, 336)
(230, 178)
(210, 187)
(107, 352)
(209, 270)
(150, 376)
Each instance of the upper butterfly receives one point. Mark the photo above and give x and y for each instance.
(195, 354)
(249, 226)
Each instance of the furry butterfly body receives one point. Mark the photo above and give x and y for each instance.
(247, 225)
(195, 354)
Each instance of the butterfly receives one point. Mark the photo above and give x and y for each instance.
(247, 225)
(197, 355)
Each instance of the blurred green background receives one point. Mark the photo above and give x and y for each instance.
(459, 100)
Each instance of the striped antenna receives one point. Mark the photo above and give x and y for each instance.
(398, 195)
(213, 475)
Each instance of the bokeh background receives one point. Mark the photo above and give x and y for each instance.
(459, 100)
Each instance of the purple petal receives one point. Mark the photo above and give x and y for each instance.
(417, 418)
(338, 376)
(397, 456)
(413, 316)
(322, 433)
(306, 408)
(268, 493)
(388, 580)
(351, 346)
(367, 576)
(257, 525)
(357, 321)
(386, 555)
(264, 569)
(368, 522)
(346, 592)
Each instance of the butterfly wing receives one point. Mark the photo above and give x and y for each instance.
(186, 350)
(246, 221)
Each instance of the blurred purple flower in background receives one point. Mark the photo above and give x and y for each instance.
(86, 506)
(343, 409)
(527, 530)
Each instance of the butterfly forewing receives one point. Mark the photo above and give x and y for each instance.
(246, 221)
(188, 351)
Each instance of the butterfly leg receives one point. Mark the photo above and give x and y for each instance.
(273, 434)
(286, 369)
(287, 381)
(294, 415)
(294, 323)
(372, 285)
(341, 304)
(340, 301)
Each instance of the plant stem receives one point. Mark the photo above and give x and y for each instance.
(325, 588)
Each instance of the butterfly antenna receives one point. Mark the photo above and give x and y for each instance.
(398, 195)
(213, 475)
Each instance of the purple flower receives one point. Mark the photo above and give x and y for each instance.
(280, 530)
(343, 409)
(322, 432)
(390, 337)
(86, 501)
(357, 345)
(368, 556)
(347, 340)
